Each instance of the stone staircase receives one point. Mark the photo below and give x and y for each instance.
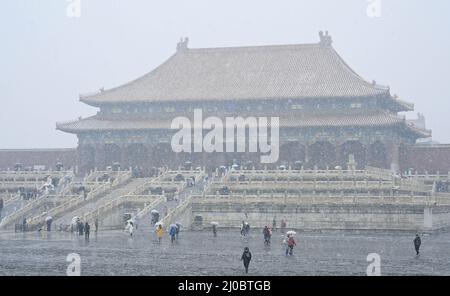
(126, 189)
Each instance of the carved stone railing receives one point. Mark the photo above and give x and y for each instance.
(112, 205)
(79, 200)
(174, 213)
(315, 200)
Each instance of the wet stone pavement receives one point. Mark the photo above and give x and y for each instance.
(199, 253)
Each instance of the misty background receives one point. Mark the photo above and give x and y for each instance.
(47, 58)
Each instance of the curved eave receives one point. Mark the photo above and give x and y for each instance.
(419, 133)
(403, 106)
(95, 123)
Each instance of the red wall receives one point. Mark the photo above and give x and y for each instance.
(430, 158)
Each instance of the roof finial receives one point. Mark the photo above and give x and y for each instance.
(183, 44)
(325, 39)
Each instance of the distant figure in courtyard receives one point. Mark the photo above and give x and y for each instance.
(246, 258)
(96, 225)
(243, 228)
(266, 233)
(172, 233)
(24, 225)
(49, 221)
(283, 226)
(1, 207)
(274, 224)
(214, 230)
(290, 245)
(131, 229)
(80, 228)
(417, 243)
(159, 233)
(87, 230)
(177, 230)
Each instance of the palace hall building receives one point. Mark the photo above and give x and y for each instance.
(328, 114)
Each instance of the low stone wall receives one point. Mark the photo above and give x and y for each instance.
(38, 157)
(328, 217)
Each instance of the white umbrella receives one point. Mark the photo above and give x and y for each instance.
(48, 218)
(154, 211)
(173, 225)
(75, 220)
(178, 224)
(214, 223)
(159, 223)
(291, 232)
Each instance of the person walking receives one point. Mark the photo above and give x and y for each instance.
(417, 243)
(96, 225)
(172, 233)
(80, 228)
(87, 230)
(177, 230)
(131, 228)
(49, 221)
(266, 233)
(214, 230)
(290, 245)
(159, 233)
(1, 206)
(274, 224)
(243, 228)
(283, 225)
(246, 258)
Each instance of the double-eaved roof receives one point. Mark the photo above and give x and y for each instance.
(303, 71)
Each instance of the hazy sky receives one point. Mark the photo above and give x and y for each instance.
(47, 58)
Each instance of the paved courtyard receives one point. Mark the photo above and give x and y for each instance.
(198, 253)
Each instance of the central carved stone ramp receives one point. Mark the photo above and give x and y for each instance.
(94, 204)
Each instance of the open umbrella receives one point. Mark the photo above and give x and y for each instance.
(159, 223)
(48, 218)
(291, 232)
(154, 211)
(75, 220)
(214, 223)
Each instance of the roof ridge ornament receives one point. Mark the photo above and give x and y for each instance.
(325, 39)
(183, 44)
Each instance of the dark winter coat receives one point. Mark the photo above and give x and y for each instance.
(417, 242)
(246, 257)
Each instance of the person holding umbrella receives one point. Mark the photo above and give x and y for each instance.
(172, 232)
(246, 258)
(177, 231)
(48, 221)
(290, 243)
